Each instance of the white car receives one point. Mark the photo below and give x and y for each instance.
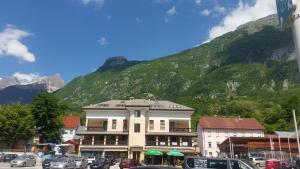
(22, 161)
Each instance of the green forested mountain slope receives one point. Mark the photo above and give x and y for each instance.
(235, 74)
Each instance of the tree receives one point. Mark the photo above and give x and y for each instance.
(16, 123)
(47, 112)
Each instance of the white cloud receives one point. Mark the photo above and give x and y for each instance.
(198, 1)
(108, 17)
(242, 14)
(161, 1)
(171, 11)
(219, 9)
(206, 12)
(97, 2)
(11, 45)
(103, 41)
(27, 78)
(138, 19)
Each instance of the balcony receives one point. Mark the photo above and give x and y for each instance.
(180, 130)
(105, 140)
(96, 125)
(179, 126)
(170, 141)
(96, 128)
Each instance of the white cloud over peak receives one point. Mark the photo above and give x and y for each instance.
(27, 78)
(10, 44)
(206, 12)
(242, 14)
(103, 41)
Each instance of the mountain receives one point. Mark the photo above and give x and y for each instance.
(244, 72)
(16, 89)
(52, 83)
(21, 93)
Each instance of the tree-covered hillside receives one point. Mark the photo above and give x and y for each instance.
(250, 72)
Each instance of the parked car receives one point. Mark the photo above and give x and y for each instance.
(191, 162)
(258, 161)
(100, 163)
(273, 164)
(48, 159)
(9, 157)
(81, 162)
(63, 163)
(127, 163)
(23, 161)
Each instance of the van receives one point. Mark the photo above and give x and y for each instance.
(192, 162)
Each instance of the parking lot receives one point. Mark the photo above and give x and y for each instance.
(38, 166)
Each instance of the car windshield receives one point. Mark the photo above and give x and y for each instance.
(61, 160)
(100, 159)
(20, 157)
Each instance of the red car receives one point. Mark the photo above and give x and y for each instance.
(127, 163)
(273, 164)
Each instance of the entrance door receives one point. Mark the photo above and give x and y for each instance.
(136, 155)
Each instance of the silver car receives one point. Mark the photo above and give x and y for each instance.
(22, 161)
(63, 163)
(81, 162)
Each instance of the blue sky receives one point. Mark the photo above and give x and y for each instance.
(75, 37)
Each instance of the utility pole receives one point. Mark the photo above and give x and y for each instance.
(296, 130)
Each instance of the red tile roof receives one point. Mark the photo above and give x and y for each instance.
(71, 121)
(229, 123)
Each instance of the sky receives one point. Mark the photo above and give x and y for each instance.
(75, 37)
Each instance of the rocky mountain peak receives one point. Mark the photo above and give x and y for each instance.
(117, 63)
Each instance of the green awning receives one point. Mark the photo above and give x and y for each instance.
(175, 153)
(153, 152)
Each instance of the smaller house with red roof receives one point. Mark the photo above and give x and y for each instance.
(214, 130)
(71, 123)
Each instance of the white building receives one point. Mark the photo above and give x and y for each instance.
(214, 130)
(71, 123)
(128, 128)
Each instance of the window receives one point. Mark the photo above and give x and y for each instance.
(125, 125)
(209, 133)
(210, 153)
(114, 124)
(137, 113)
(137, 127)
(71, 131)
(226, 134)
(151, 124)
(209, 144)
(162, 125)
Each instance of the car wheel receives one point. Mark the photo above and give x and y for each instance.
(33, 164)
(24, 164)
(257, 165)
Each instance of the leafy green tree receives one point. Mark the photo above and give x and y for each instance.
(48, 112)
(16, 124)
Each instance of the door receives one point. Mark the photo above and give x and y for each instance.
(136, 155)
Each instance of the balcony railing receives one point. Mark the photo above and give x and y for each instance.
(179, 130)
(122, 143)
(96, 128)
(87, 142)
(110, 142)
(151, 143)
(98, 142)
